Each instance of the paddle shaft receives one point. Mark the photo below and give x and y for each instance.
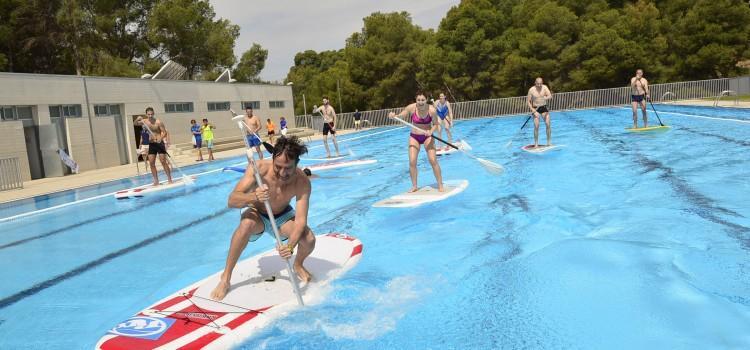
(433, 135)
(657, 114)
(269, 211)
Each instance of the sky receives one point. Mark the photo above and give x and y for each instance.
(286, 27)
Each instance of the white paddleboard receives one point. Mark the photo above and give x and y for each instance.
(541, 148)
(142, 191)
(340, 164)
(322, 159)
(424, 195)
(461, 144)
(190, 319)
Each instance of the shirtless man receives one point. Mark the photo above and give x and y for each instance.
(282, 182)
(537, 101)
(639, 95)
(252, 123)
(329, 124)
(157, 144)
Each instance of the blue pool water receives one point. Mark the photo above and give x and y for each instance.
(617, 240)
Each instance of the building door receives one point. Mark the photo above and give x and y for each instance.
(62, 137)
(33, 152)
(122, 139)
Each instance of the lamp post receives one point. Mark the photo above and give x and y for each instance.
(304, 100)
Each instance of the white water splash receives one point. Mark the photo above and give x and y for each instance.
(379, 312)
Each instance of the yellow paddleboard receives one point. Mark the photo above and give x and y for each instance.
(650, 128)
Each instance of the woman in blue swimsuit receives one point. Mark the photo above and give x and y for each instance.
(445, 112)
(420, 114)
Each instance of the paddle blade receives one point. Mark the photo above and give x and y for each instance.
(490, 166)
(269, 147)
(188, 180)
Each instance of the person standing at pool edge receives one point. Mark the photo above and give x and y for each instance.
(271, 129)
(252, 125)
(537, 102)
(639, 95)
(282, 125)
(158, 137)
(357, 119)
(282, 182)
(207, 133)
(422, 136)
(329, 124)
(197, 138)
(445, 112)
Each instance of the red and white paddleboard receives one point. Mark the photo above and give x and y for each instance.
(260, 292)
(141, 191)
(340, 164)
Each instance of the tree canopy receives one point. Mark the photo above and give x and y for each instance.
(114, 37)
(496, 48)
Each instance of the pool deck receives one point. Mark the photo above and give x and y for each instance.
(91, 177)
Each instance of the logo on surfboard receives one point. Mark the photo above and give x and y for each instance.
(143, 327)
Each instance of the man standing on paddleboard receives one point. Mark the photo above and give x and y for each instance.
(537, 101)
(252, 125)
(283, 181)
(329, 124)
(157, 144)
(639, 96)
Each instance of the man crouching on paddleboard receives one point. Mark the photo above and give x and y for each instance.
(283, 181)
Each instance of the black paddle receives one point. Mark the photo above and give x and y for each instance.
(519, 130)
(657, 114)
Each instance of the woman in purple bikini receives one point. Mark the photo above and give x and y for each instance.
(420, 114)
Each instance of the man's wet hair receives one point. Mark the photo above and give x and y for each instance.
(150, 109)
(291, 146)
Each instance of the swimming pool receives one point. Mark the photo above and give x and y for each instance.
(617, 240)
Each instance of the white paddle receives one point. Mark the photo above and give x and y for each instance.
(488, 165)
(250, 159)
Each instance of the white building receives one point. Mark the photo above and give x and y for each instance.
(91, 118)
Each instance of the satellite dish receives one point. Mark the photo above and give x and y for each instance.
(171, 71)
(224, 77)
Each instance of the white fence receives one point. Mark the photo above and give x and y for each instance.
(10, 174)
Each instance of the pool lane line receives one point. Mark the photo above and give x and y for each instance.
(698, 203)
(12, 299)
(40, 211)
(360, 137)
(690, 130)
(107, 216)
(702, 117)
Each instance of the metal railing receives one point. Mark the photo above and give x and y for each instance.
(10, 174)
(727, 93)
(517, 105)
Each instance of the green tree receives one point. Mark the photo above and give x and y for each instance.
(251, 64)
(709, 39)
(187, 32)
(381, 59)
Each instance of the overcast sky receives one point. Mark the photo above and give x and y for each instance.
(285, 27)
